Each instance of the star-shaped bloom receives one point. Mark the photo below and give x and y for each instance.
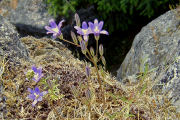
(37, 73)
(85, 31)
(36, 95)
(96, 28)
(54, 28)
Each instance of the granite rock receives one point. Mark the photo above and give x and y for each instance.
(10, 45)
(158, 46)
(29, 16)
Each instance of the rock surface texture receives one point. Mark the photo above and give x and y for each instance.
(12, 50)
(10, 45)
(29, 16)
(158, 45)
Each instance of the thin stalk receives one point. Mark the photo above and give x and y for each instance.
(95, 64)
(70, 42)
(98, 76)
(88, 58)
(97, 48)
(100, 83)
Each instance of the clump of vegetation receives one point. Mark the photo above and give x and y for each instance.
(58, 88)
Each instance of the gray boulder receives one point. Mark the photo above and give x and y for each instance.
(158, 45)
(10, 45)
(12, 50)
(29, 16)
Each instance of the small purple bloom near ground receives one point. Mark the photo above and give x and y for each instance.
(36, 95)
(37, 73)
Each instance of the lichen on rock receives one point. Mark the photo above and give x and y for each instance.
(158, 43)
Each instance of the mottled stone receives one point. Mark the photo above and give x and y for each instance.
(158, 44)
(29, 16)
(10, 45)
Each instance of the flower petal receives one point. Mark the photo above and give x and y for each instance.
(60, 24)
(104, 32)
(36, 80)
(43, 93)
(91, 26)
(55, 35)
(52, 23)
(34, 68)
(37, 91)
(77, 27)
(39, 98)
(100, 25)
(32, 96)
(96, 22)
(39, 71)
(86, 37)
(80, 32)
(30, 90)
(84, 25)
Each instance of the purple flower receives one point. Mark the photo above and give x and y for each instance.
(96, 28)
(36, 95)
(37, 73)
(54, 28)
(85, 31)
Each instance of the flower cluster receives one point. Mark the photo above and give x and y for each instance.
(93, 28)
(36, 75)
(82, 41)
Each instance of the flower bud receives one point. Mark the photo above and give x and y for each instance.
(77, 19)
(87, 71)
(79, 38)
(74, 37)
(88, 94)
(103, 60)
(83, 47)
(101, 50)
(92, 51)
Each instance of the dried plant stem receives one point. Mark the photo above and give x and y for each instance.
(54, 109)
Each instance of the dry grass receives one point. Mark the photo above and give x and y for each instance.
(82, 99)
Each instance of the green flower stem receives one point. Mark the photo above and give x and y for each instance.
(91, 57)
